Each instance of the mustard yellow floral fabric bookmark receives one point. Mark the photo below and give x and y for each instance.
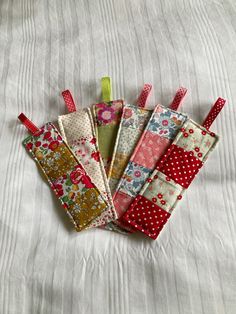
(66, 176)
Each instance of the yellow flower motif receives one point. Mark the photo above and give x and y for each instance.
(38, 154)
(75, 187)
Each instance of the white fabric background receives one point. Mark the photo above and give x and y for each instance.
(47, 46)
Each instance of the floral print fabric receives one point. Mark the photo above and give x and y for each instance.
(156, 138)
(134, 177)
(166, 122)
(74, 188)
(107, 117)
(84, 145)
(133, 121)
(108, 112)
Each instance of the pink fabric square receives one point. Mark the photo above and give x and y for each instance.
(151, 148)
(122, 202)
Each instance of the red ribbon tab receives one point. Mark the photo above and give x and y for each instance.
(215, 110)
(179, 96)
(69, 101)
(142, 100)
(28, 124)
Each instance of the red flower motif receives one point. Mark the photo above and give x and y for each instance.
(212, 134)
(76, 175)
(191, 131)
(93, 140)
(182, 129)
(165, 122)
(38, 143)
(156, 176)
(53, 145)
(58, 188)
(96, 156)
(87, 182)
(199, 155)
(154, 199)
(79, 175)
(185, 134)
(167, 179)
(159, 195)
(179, 197)
(203, 132)
(45, 145)
(47, 135)
(29, 146)
(127, 113)
(197, 149)
(163, 202)
(149, 180)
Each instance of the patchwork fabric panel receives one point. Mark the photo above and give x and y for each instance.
(133, 121)
(134, 177)
(107, 117)
(147, 217)
(150, 149)
(163, 191)
(66, 176)
(166, 122)
(181, 166)
(173, 174)
(122, 201)
(84, 145)
(156, 138)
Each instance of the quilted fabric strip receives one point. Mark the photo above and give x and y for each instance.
(66, 176)
(159, 132)
(78, 131)
(133, 122)
(107, 119)
(173, 174)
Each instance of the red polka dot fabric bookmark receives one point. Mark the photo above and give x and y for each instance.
(157, 136)
(174, 172)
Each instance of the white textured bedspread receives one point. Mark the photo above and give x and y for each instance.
(47, 46)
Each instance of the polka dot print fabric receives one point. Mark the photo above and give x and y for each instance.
(175, 171)
(181, 166)
(78, 130)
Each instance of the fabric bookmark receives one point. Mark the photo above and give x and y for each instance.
(66, 176)
(78, 131)
(160, 131)
(107, 116)
(174, 173)
(133, 120)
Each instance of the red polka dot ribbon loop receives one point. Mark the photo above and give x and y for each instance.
(28, 124)
(142, 100)
(179, 96)
(70, 104)
(215, 110)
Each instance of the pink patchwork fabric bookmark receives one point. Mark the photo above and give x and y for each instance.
(65, 175)
(133, 120)
(160, 131)
(174, 173)
(107, 116)
(78, 131)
